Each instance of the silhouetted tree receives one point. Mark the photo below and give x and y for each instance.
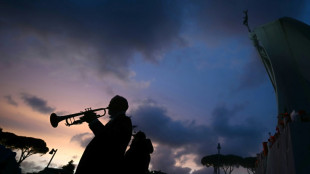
(27, 145)
(69, 167)
(212, 161)
(229, 162)
(225, 162)
(249, 164)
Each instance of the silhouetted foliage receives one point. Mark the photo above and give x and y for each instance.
(69, 167)
(211, 160)
(229, 162)
(156, 172)
(27, 145)
(249, 164)
(225, 162)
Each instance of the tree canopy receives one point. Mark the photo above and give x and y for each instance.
(211, 160)
(229, 162)
(249, 164)
(27, 145)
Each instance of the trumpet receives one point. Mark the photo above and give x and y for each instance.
(70, 120)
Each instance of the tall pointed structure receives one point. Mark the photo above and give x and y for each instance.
(284, 48)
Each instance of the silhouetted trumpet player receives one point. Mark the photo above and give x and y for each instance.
(105, 152)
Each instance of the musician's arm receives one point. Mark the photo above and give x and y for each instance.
(96, 126)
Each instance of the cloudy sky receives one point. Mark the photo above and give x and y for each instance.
(188, 69)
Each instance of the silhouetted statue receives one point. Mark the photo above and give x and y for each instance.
(245, 20)
(105, 152)
(137, 158)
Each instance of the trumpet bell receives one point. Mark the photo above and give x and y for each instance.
(54, 120)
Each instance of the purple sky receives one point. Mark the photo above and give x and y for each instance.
(188, 69)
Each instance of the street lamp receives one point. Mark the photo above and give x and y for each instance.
(53, 151)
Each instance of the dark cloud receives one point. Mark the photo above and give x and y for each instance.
(224, 18)
(154, 120)
(164, 160)
(37, 104)
(10, 100)
(245, 134)
(253, 74)
(105, 35)
(242, 138)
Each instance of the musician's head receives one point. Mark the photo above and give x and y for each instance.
(118, 104)
(140, 135)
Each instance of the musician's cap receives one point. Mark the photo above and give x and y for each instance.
(118, 103)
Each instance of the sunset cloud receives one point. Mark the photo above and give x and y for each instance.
(10, 100)
(82, 139)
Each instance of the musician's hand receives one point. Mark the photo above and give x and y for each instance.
(89, 117)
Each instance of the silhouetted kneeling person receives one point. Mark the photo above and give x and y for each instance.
(137, 157)
(105, 153)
